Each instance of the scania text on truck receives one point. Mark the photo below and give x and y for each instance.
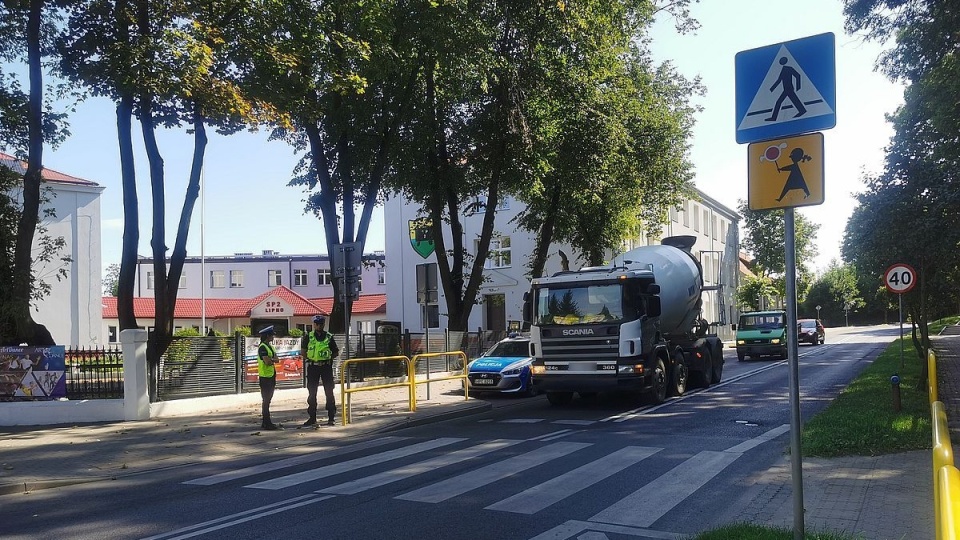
(634, 326)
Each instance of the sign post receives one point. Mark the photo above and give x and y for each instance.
(900, 278)
(785, 90)
(346, 268)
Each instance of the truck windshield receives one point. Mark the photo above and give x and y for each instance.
(767, 321)
(579, 305)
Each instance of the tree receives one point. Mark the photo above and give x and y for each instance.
(111, 281)
(166, 64)
(26, 26)
(835, 292)
(755, 293)
(764, 238)
(341, 75)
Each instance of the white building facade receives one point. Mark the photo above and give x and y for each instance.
(72, 310)
(505, 275)
(245, 275)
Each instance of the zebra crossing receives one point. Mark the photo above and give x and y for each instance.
(482, 463)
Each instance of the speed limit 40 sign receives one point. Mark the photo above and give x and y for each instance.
(900, 278)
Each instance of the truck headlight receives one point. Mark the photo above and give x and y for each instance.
(741, 342)
(775, 341)
(537, 370)
(636, 368)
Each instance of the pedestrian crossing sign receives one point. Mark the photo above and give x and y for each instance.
(785, 173)
(786, 89)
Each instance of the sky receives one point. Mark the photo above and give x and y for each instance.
(248, 207)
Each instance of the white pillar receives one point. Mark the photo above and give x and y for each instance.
(136, 397)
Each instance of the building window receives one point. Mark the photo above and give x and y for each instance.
(479, 205)
(713, 228)
(236, 278)
(274, 278)
(111, 334)
(706, 222)
(686, 215)
(299, 278)
(323, 276)
(500, 255)
(381, 275)
(305, 328)
(183, 281)
(673, 214)
(723, 231)
(218, 279)
(359, 284)
(696, 218)
(150, 280)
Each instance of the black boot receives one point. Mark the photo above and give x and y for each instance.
(312, 421)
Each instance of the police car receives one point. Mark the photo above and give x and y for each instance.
(504, 368)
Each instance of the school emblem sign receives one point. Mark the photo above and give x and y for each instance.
(421, 236)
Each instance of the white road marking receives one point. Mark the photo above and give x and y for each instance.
(483, 476)
(318, 453)
(552, 491)
(354, 464)
(407, 471)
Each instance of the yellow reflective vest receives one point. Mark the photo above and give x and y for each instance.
(263, 369)
(318, 350)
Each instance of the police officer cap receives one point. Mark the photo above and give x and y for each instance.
(268, 331)
(319, 319)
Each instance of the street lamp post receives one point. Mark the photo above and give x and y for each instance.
(818, 312)
(846, 314)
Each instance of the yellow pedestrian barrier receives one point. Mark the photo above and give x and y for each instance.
(932, 375)
(948, 511)
(346, 391)
(942, 457)
(462, 376)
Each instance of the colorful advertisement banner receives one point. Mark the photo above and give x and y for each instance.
(32, 373)
(290, 367)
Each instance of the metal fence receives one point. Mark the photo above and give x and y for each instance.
(94, 373)
(210, 366)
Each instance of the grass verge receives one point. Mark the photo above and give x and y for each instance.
(746, 531)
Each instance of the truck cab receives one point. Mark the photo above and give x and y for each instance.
(761, 333)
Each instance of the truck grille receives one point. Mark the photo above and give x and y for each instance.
(579, 348)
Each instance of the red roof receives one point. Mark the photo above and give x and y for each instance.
(221, 308)
(49, 175)
(365, 305)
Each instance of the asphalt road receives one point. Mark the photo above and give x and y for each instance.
(609, 467)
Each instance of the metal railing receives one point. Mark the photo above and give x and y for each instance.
(462, 376)
(94, 373)
(346, 392)
(946, 476)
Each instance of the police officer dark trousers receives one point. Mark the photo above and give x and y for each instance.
(319, 349)
(266, 356)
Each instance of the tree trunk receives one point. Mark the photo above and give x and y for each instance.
(545, 235)
(24, 329)
(131, 215)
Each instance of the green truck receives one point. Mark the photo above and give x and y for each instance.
(761, 333)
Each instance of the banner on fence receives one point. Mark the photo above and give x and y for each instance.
(32, 373)
(290, 367)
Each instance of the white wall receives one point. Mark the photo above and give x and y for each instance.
(73, 312)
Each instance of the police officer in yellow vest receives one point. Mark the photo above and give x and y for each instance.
(319, 349)
(266, 358)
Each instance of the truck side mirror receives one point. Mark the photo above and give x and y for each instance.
(527, 311)
(653, 288)
(653, 306)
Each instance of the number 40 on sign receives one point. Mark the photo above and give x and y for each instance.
(900, 278)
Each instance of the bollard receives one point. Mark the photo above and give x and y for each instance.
(895, 382)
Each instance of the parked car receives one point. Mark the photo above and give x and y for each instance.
(810, 331)
(504, 368)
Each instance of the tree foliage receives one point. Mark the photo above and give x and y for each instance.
(836, 291)
(756, 292)
(764, 238)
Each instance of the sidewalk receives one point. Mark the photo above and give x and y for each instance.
(38, 457)
(879, 497)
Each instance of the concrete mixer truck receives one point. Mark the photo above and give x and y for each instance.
(633, 326)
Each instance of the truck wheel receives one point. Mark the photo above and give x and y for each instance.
(740, 356)
(678, 379)
(701, 379)
(658, 390)
(717, 372)
(559, 398)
